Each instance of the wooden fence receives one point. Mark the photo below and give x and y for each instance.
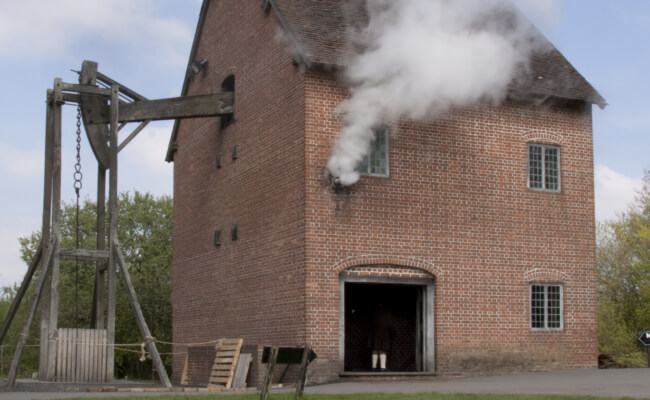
(81, 355)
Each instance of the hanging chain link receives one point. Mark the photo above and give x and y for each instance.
(77, 188)
(77, 167)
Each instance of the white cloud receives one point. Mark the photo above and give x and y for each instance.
(614, 192)
(21, 163)
(38, 28)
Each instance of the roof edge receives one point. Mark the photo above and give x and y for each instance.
(300, 57)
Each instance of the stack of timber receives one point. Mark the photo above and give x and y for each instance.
(225, 362)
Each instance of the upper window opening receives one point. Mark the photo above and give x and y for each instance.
(376, 162)
(544, 167)
(228, 85)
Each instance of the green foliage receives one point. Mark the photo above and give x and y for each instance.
(624, 281)
(144, 233)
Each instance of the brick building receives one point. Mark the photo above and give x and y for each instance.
(477, 236)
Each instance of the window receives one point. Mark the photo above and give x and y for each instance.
(228, 85)
(544, 167)
(376, 162)
(545, 306)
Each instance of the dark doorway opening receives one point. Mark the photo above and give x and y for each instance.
(403, 304)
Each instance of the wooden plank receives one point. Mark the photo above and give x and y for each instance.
(24, 335)
(268, 377)
(241, 371)
(96, 133)
(142, 324)
(185, 370)
(59, 355)
(112, 229)
(228, 352)
(100, 266)
(219, 367)
(300, 387)
(123, 89)
(210, 105)
(45, 232)
(85, 89)
(133, 134)
(56, 231)
(84, 255)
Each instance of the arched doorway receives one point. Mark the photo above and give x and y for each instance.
(408, 305)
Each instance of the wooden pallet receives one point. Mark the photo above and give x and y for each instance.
(225, 362)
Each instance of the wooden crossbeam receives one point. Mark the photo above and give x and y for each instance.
(209, 105)
(84, 255)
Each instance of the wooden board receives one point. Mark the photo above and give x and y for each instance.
(81, 355)
(225, 362)
(241, 372)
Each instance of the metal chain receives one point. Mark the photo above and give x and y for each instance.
(77, 167)
(77, 187)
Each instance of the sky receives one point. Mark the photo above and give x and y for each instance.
(145, 45)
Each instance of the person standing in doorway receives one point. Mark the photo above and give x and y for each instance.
(380, 337)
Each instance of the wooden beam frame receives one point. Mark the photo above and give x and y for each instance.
(24, 335)
(208, 105)
(103, 112)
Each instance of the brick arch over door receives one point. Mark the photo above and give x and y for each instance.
(354, 264)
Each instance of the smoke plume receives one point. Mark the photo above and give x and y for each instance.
(421, 58)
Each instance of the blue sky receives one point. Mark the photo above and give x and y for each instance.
(145, 44)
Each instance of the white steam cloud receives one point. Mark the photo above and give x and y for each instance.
(423, 57)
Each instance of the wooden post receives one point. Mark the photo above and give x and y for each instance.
(57, 102)
(21, 293)
(268, 377)
(300, 387)
(139, 317)
(24, 335)
(112, 233)
(45, 232)
(100, 267)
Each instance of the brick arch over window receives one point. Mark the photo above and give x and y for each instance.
(382, 261)
(543, 274)
(542, 136)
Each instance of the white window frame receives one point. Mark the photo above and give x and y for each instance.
(543, 167)
(546, 314)
(386, 130)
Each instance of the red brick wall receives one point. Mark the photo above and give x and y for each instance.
(456, 205)
(252, 287)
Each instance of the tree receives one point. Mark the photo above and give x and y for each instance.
(144, 233)
(624, 281)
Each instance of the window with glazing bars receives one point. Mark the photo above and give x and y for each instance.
(376, 162)
(544, 167)
(545, 306)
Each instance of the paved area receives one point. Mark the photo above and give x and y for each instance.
(631, 383)
(634, 383)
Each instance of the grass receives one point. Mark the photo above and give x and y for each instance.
(379, 396)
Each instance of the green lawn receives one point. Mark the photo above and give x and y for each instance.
(378, 396)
